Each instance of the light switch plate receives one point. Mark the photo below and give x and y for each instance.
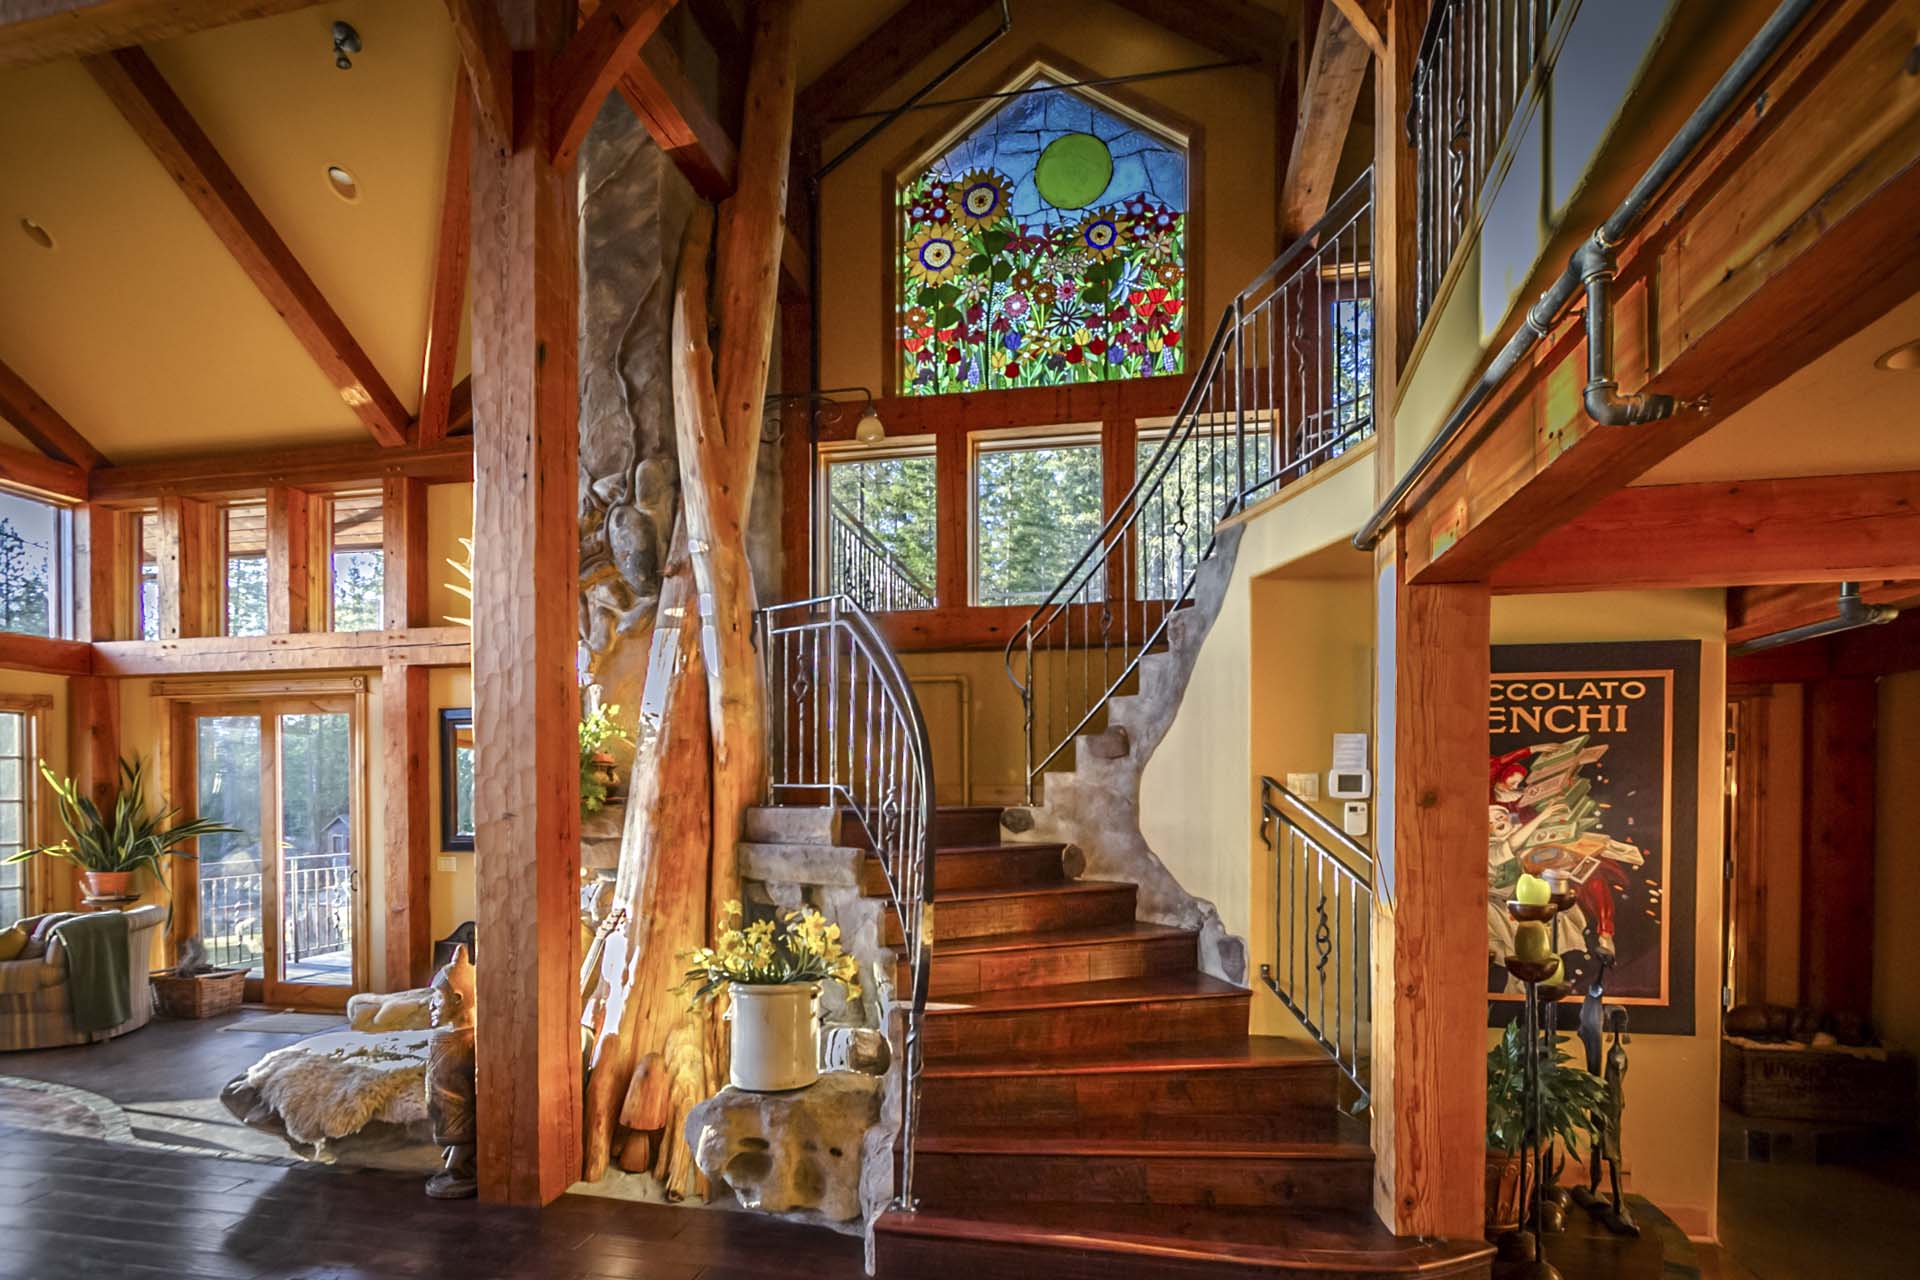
(1304, 785)
(447, 862)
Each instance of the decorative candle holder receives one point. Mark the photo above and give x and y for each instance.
(1532, 973)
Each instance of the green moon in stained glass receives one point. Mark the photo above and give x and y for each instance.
(1073, 171)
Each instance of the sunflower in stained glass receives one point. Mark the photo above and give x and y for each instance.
(932, 256)
(1099, 233)
(983, 198)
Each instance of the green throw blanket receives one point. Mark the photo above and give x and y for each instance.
(97, 969)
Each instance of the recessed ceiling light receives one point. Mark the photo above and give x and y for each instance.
(1904, 358)
(344, 184)
(37, 233)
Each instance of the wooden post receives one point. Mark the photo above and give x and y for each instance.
(526, 586)
(409, 811)
(296, 561)
(93, 737)
(403, 538)
(189, 585)
(1429, 987)
(1836, 869)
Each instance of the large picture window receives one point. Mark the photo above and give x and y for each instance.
(1047, 245)
(34, 559)
(880, 529)
(1036, 508)
(245, 536)
(359, 580)
(18, 751)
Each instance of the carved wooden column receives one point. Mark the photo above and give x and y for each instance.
(525, 599)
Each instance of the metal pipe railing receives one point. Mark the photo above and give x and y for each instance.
(1590, 269)
(1322, 967)
(863, 567)
(849, 728)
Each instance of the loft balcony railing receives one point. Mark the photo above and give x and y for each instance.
(1322, 966)
(863, 567)
(1286, 386)
(847, 730)
(1478, 61)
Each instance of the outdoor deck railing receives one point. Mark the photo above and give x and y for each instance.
(315, 910)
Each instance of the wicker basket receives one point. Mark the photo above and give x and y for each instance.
(204, 995)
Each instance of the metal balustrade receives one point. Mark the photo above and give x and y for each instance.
(863, 568)
(1322, 967)
(316, 908)
(847, 730)
(1478, 61)
(1286, 385)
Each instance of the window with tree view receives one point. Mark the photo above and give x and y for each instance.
(246, 542)
(1047, 245)
(359, 584)
(16, 791)
(31, 567)
(1036, 509)
(880, 530)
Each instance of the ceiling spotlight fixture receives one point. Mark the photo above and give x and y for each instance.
(37, 233)
(345, 41)
(343, 183)
(1904, 358)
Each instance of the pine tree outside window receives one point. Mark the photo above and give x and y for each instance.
(1046, 245)
(245, 536)
(359, 583)
(880, 528)
(35, 566)
(1036, 508)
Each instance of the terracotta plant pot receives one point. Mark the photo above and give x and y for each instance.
(1509, 1186)
(107, 884)
(776, 1036)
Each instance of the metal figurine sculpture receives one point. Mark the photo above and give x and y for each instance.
(1595, 1020)
(450, 1078)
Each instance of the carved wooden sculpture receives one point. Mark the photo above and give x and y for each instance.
(450, 1090)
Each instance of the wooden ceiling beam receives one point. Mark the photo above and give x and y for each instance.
(321, 468)
(489, 64)
(42, 424)
(676, 116)
(1766, 610)
(25, 472)
(161, 119)
(1336, 68)
(1230, 28)
(595, 58)
(1732, 533)
(908, 37)
(34, 31)
(449, 292)
(1367, 17)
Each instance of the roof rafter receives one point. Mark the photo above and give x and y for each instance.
(42, 424)
(1231, 28)
(485, 54)
(163, 122)
(676, 116)
(595, 59)
(1336, 68)
(908, 37)
(43, 30)
(451, 250)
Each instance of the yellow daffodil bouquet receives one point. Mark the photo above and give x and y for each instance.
(806, 949)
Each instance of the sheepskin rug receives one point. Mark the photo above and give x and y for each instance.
(332, 1086)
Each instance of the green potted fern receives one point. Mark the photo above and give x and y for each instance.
(1568, 1099)
(110, 851)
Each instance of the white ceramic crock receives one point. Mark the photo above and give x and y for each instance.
(776, 1036)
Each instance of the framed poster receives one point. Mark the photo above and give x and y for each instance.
(1593, 771)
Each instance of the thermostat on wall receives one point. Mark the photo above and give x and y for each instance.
(1350, 778)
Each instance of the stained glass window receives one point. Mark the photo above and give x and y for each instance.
(1047, 246)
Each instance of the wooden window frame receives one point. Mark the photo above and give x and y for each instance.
(36, 881)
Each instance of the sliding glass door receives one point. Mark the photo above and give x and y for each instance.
(281, 896)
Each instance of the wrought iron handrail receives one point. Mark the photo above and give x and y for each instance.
(864, 568)
(849, 728)
(1319, 861)
(1286, 384)
(1478, 61)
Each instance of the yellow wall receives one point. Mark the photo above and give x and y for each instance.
(1673, 1085)
(1896, 944)
(1234, 199)
(453, 882)
(449, 519)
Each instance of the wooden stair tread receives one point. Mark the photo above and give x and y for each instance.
(1251, 1237)
(1042, 890)
(1180, 986)
(1137, 931)
(1239, 1053)
(1026, 1143)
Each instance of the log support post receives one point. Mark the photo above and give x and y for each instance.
(189, 568)
(403, 535)
(1429, 985)
(526, 587)
(296, 561)
(409, 809)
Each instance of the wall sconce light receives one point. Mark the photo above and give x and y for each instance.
(345, 41)
(869, 430)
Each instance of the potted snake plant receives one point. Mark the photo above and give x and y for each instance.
(1569, 1097)
(110, 851)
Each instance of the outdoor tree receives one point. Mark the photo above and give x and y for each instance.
(24, 569)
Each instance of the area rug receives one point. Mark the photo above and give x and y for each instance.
(289, 1024)
(37, 1109)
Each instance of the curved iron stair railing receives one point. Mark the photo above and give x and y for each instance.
(1286, 384)
(847, 730)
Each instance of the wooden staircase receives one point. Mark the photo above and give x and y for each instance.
(1093, 1107)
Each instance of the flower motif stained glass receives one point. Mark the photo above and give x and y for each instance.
(1047, 246)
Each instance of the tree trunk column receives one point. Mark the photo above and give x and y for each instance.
(525, 600)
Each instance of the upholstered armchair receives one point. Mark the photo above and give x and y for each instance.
(36, 1003)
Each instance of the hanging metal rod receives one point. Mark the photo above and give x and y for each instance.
(1852, 614)
(1590, 269)
(1050, 86)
